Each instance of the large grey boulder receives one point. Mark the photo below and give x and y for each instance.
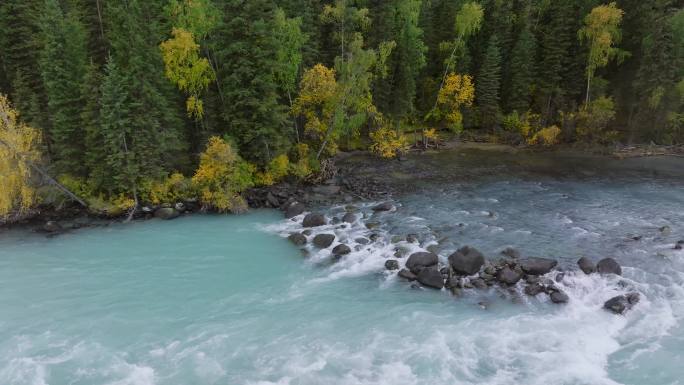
(341, 249)
(420, 260)
(323, 241)
(294, 209)
(407, 274)
(586, 265)
(392, 264)
(508, 276)
(466, 261)
(621, 303)
(314, 220)
(608, 266)
(537, 266)
(166, 213)
(559, 297)
(431, 277)
(297, 238)
(349, 218)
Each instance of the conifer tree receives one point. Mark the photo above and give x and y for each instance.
(521, 70)
(487, 84)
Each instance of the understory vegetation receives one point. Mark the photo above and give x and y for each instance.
(115, 103)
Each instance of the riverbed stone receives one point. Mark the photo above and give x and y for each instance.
(385, 206)
(509, 276)
(478, 283)
(559, 297)
(341, 249)
(166, 213)
(297, 238)
(362, 241)
(537, 266)
(392, 264)
(52, 227)
(412, 238)
(314, 220)
(349, 218)
(420, 260)
(586, 265)
(608, 266)
(431, 277)
(533, 289)
(621, 303)
(323, 241)
(511, 252)
(466, 261)
(407, 274)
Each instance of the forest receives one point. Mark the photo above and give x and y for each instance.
(126, 101)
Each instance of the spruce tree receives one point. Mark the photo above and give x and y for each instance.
(487, 84)
(521, 69)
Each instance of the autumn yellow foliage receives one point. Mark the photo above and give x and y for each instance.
(276, 170)
(221, 176)
(19, 147)
(458, 91)
(548, 136)
(387, 143)
(316, 101)
(169, 190)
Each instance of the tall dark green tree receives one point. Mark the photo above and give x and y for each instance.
(521, 69)
(63, 64)
(487, 84)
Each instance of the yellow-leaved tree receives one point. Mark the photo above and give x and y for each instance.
(186, 69)
(221, 176)
(458, 91)
(19, 149)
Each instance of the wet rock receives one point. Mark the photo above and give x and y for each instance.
(466, 261)
(679, 245)
(537, 266)
(372, 225)
(420, 260)
(621, 303)
(431, 277)
(341, 249)
(385, 206)
(407, 274)
(511, 252)
(534, 289)
(335, 221)
(487, 276)
(559, 297)
(532, 279)
(608, 266)
(452, 282)
(52, 227)
(323, 241)
(374, 237)
(396, 238)
(351, 208)
(392, 264)
(412, 238)
(166, 213)
(349, 218)
(362, 241)
(180, 206)
(665, 230)
(478, 283)
(559, 277)
(272, 200)
(314, 220)
(508, 276)
(586, 265)
(307, 232)
(297, 238)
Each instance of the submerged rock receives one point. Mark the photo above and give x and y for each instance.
(341, 249)
(431, 277)
(407, 274)
(586, 265)
(166, 213)
(537, 266)
(466, 261)
(323, 241)
(362, 241)
(420, 260)
(392, 264)
(621, 303)
(314, 220)
(608, 266)
(349, 218)
(385, 206)
(559, 297)
(297, 238)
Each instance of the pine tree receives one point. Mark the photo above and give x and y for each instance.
(62, 64)
(252, 113)
(94, 155)
(521, 71)
(487, 85)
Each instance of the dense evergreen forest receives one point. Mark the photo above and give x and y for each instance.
(124, 101)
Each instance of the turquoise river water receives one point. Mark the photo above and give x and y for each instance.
(228, 300)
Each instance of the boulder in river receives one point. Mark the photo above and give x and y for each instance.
(392, 264)
(608, 266)
(407, 274)
(622, 303)
(349, 218)
(52, 227)
(559, 296)
(362, 241)
(314, 220)
(511, 252)
(341, 249)
(431, 277)
(412, 238)
(385, 206)
(537, 266)
(297, 238)
(166, 213)
(420, 260)
(509, 276)
(466, 261)
(323, 241)
(478, 283)
(534, 289)
(586, 265)
(294, 209)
